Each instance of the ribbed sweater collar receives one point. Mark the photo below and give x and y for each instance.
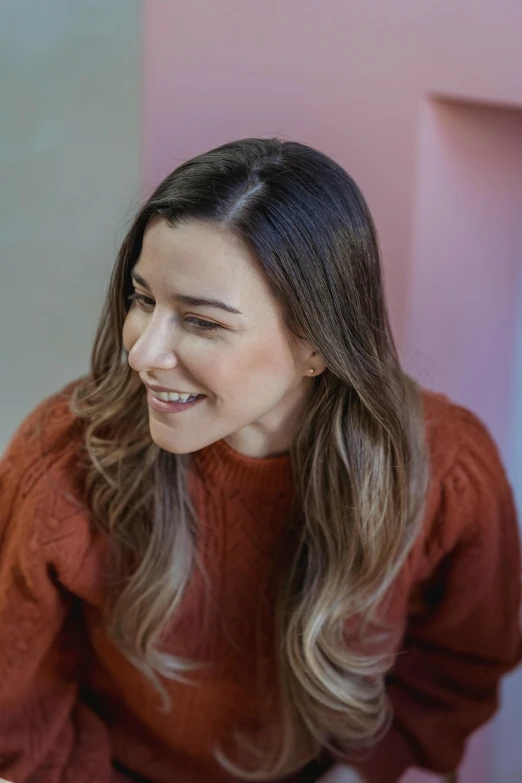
(221, 465)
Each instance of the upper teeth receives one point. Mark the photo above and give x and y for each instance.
(172, 396)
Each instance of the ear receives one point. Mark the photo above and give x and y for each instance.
(313, 361)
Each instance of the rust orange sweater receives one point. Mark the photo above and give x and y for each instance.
(72, 710)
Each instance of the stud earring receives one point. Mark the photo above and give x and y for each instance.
(311, 371)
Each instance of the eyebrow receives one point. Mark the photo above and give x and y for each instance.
(195, 301)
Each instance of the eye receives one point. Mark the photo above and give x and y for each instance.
(199, 323)
(144, 302)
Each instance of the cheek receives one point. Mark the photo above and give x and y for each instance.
(253, 367)
(130, 332)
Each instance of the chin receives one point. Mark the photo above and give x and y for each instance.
(175, 443)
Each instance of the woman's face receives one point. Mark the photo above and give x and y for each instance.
(203, 322)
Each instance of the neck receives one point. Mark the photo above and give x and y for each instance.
(273, 434)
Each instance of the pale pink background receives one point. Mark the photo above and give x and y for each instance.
(422, 104)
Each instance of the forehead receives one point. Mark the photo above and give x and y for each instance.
(198, 253)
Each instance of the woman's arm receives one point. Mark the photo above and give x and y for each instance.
(464, 634)
(46, 734)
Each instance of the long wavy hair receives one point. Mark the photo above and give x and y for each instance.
(359, 455)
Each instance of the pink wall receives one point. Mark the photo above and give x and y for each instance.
(466, 256)
(355, 79)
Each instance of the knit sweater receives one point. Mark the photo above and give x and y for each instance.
(74, 710)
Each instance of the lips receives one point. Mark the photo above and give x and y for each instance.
(171, 406)
(170, 396)
(160, 390)
(156, 388)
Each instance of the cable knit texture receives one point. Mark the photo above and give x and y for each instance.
(73, 710)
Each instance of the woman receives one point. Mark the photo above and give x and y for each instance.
(249, 545)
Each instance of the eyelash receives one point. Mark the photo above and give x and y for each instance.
(146, 302)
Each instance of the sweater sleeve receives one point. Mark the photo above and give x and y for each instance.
(465, 632)
(46, 734)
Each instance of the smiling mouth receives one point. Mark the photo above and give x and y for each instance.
(175, 396)
(172, 402)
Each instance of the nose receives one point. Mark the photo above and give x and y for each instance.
(153, 350)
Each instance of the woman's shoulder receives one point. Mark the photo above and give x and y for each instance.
(47, 444)
(453, 429)
(468, 491)
(44, 517)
